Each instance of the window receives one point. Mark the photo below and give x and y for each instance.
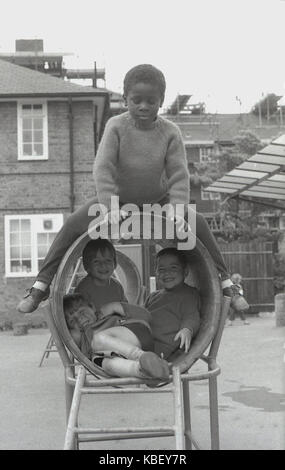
(27, 240)
(205, 154)
(210, 196)
(32, 131)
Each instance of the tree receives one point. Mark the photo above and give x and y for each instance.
(245, 144)
(267, 106)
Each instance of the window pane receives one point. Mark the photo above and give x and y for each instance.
(25, 238)
(42, 238)
(26, 251)
(38, 149)
(38, 136)
(27, 123)
(15, 266)
(26, 109)
(42, 251)
(14, 225)
(51, 237)
(37, 108)
(15, 252)
(27, 149)
(38, 123)
(25, 225)
(26, 266)
(27, 136)
(14, 239)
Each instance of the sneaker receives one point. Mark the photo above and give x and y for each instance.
(246, 322)
(153, 366)
(32, 299)
(230, 323)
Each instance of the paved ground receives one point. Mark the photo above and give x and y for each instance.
(251, 395)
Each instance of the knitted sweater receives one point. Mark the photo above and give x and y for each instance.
(170, 312)
(141, 165)
(100, 295)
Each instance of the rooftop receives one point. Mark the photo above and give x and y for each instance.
(224, 128)
(17, 81)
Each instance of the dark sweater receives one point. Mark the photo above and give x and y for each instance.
(170, 312)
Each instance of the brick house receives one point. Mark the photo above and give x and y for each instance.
(49, 132)
(206, 134)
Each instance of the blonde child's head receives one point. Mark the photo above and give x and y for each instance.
(71, 304)
(236, 278)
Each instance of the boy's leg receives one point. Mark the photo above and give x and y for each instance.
(120, 367)
(231, 316)
(119, 340)
(243, 317)
(76, 224)
(124, 342)
(205, 235)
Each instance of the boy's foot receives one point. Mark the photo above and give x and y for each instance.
(246, 322)
(230, 323)
(153, 366)
(32, 299)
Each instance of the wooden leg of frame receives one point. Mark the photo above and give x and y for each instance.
(70, 440)
(178, 410)
(214, 413)
(187, 414)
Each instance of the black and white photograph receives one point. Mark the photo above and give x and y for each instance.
(142, 228)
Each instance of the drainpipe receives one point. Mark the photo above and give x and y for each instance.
(95, 131)
(71, 156)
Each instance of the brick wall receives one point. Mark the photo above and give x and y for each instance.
(28, 187)
(193, 156)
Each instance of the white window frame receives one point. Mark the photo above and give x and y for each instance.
(21, 156)
(204, 154)
(37, 226)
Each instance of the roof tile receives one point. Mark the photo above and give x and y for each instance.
(17, 80)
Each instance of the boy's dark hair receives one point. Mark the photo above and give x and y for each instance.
(180, 255)
(145, 73)
(92, 248)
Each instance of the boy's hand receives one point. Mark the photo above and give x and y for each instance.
(185, 337)
(114, 217)
(181, 224)
(179, 221)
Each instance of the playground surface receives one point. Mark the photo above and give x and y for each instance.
(251, 395)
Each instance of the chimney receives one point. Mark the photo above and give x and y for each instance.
(29, 45)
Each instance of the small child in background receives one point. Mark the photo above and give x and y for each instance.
(108, 330)
(238, 289)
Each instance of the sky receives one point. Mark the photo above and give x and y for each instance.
(226, 53)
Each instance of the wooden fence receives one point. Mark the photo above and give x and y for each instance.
(253, 261)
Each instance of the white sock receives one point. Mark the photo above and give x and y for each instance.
(40, 285)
